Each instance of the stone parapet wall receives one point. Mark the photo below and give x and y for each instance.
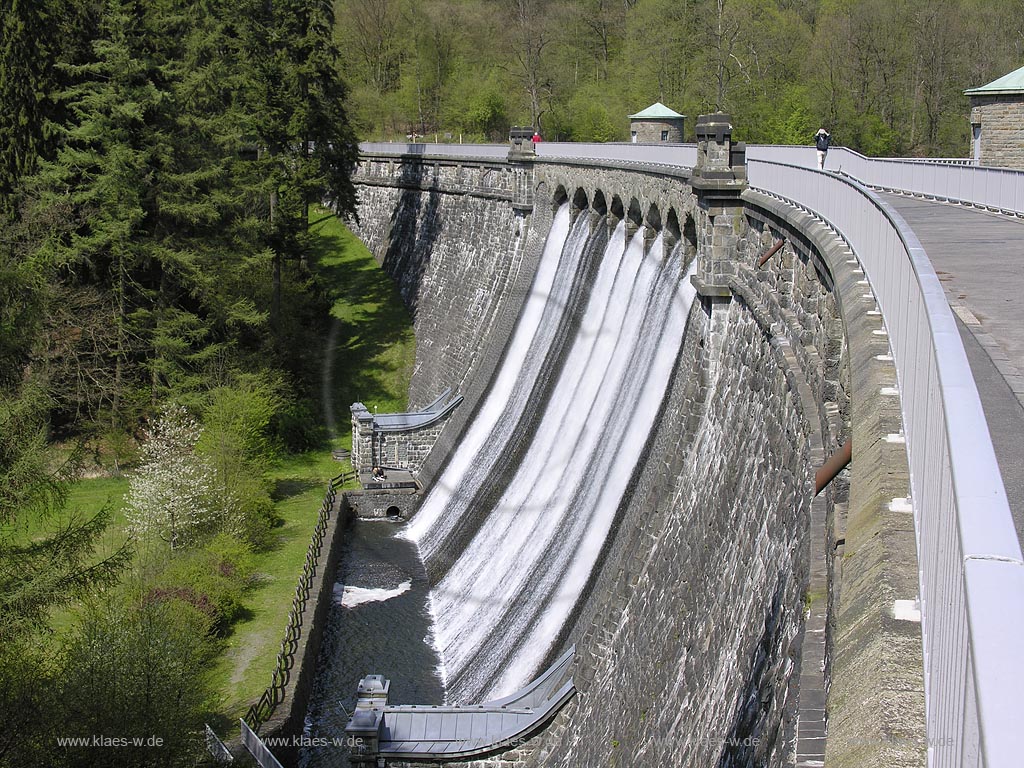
(1002, 129)
(453, 177)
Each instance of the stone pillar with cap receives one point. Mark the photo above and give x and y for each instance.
(364, 727)
(362, 437)
(521, 154)
(718, 180)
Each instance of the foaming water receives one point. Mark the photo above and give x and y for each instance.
(350, 597)
(502, 602)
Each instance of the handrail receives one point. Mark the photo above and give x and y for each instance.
(970, 565)
(995, 189)
(671, 155)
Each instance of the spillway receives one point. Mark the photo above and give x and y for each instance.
(513, 528)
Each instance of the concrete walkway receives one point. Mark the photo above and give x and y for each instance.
(979, 258)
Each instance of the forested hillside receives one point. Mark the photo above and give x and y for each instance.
(886, 76)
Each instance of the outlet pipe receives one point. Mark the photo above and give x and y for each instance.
(837, 463)
(771, 252)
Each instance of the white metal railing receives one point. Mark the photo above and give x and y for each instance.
(260, 752)
(675, 155)
(971, 572)
(476, 151)
(998, 189)
(679, 155)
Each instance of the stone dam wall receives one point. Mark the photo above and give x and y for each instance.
(718, 612)
(690, 638)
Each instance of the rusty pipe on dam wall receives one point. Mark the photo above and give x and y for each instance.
(771, 252)
(836, 463)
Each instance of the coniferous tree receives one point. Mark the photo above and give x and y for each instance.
(26, 84)
(296, 105)
(104, 172)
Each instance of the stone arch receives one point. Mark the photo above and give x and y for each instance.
(618, 212)
(579, 202)
(672, 232)
(634, 215)
(559, 198)
(653, 218)
(652, 228)
(599, 204)
(689, 238)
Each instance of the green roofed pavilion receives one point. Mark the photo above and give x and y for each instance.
(655, 124)
(997, 121)
(657, 111)
(1011, 83)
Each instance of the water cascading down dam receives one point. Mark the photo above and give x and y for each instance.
(631, 471)
(513, 527)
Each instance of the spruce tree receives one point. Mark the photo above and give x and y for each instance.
(296, 103)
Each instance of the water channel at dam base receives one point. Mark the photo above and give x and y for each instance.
(379, 623)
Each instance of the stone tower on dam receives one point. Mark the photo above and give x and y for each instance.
(728, 606)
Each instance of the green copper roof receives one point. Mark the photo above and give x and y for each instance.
(1011, 83)
(657, 110)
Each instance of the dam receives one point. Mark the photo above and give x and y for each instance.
(655, 356)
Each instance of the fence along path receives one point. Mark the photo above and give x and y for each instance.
(261, 711)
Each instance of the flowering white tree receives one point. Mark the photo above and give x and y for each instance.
(171, 493)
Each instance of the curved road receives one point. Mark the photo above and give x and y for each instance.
(979, 258)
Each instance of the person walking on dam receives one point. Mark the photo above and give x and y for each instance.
(822, 141)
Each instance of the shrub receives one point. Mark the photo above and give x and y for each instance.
(213, 580)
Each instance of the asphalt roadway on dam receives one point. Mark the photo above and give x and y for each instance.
(979, 259)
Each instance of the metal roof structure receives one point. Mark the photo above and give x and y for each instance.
(403, 422)
(410, 732)
(657, 111)
(1010, 83)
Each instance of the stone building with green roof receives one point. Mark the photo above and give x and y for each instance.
(997, 121)
(655, 124)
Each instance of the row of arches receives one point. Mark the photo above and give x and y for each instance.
(653, 218)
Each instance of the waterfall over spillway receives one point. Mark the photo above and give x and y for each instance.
(516, 522)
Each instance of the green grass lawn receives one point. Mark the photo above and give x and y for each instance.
(85, 499)
(371, 351)
(373, 343)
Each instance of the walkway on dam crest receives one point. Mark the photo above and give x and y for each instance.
(979, 258)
